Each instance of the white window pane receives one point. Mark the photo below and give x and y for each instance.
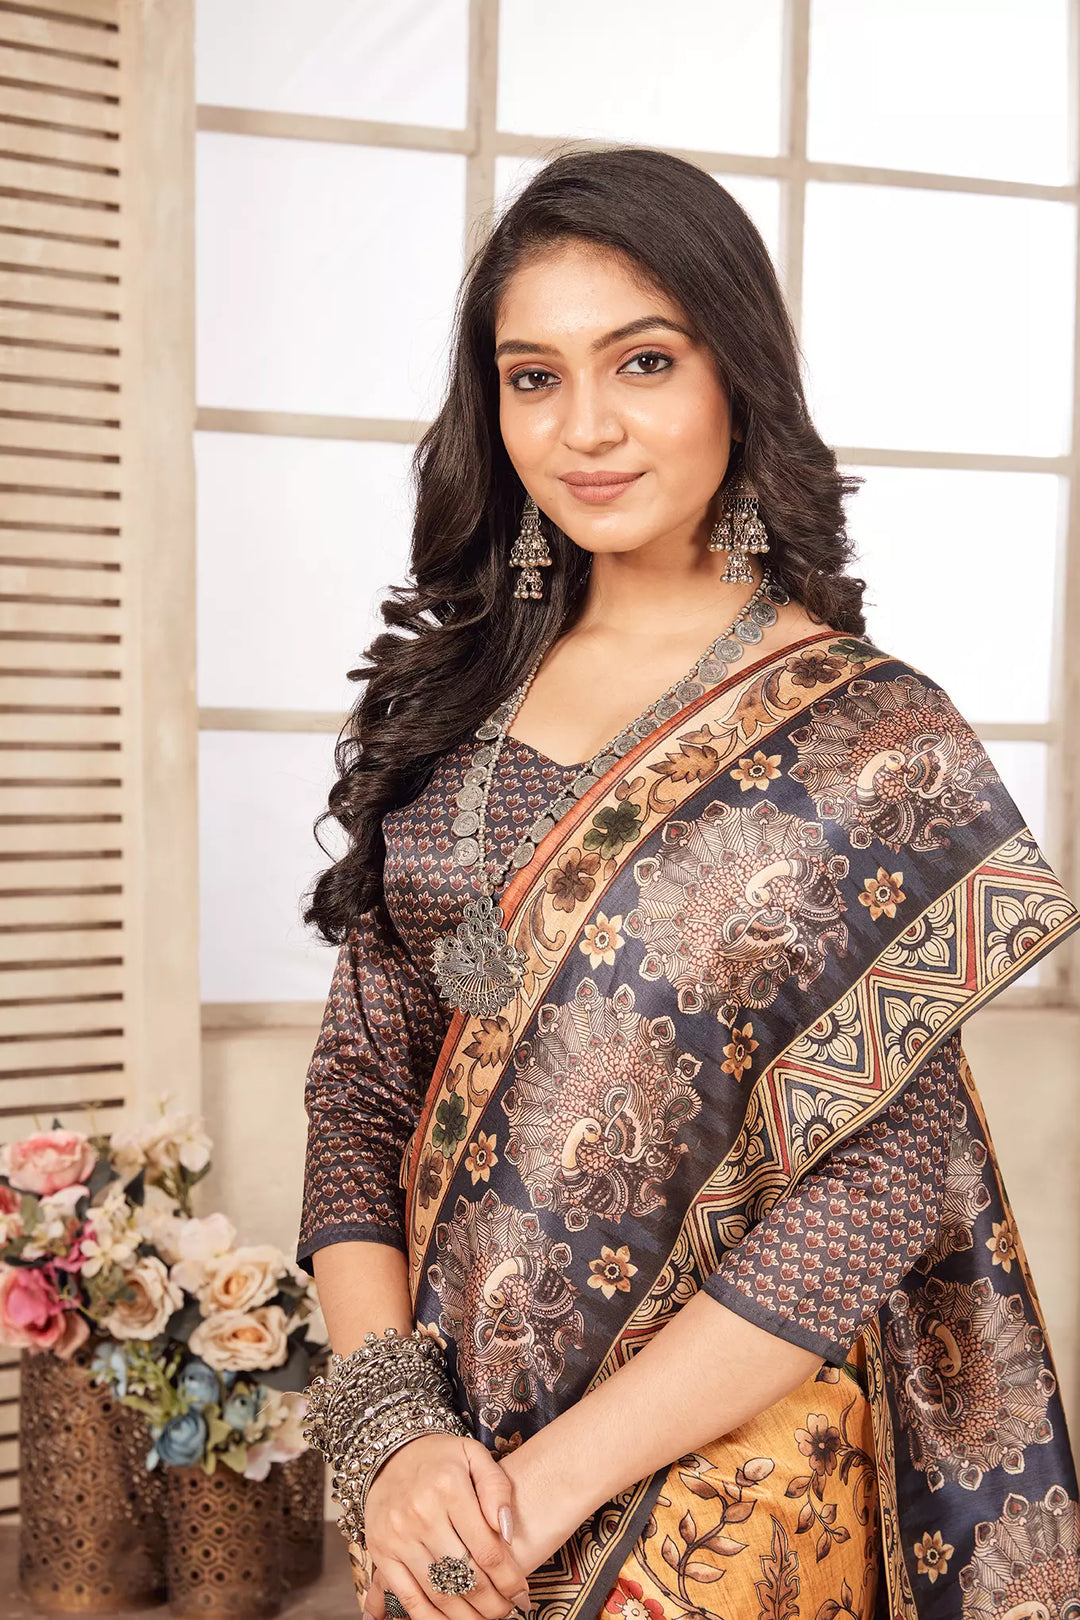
(947, 557)
(297, 541)
(759, 196)
(405, 63)
(939, 321)
(326, 275)
(1022, 768)
(761, 199)
(703, 74)
(973, 87)
(259, 794)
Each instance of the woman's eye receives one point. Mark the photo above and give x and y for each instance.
(650, 354)
(515, 380)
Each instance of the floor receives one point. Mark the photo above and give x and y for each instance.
(332, 1597)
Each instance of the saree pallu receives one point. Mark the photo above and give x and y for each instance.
(740, 944)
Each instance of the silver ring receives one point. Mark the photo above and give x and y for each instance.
(450, 1574)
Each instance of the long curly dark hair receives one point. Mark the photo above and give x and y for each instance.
(458, 641)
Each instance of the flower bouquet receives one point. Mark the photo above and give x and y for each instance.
(220, 1386)
(79, 1214)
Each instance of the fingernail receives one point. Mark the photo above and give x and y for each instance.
(506, 1524)
(522, 1600)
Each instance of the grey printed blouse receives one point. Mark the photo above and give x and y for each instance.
(813, 1271)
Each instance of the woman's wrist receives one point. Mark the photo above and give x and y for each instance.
(548, 1505)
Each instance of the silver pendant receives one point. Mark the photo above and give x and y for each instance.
(477, 969)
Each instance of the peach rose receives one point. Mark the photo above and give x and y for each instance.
(156, 1298)
(45, 1163)
(242, 1341)
(32, 1315)
(242, 1279)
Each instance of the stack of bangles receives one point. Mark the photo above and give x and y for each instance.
(370, 1403)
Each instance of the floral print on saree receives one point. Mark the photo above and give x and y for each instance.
(741, 946)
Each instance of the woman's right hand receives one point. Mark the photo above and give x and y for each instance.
(439, 1496)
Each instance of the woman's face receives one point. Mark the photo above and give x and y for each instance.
(582, 393)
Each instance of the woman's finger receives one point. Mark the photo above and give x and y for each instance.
(494, 1491)
(491, 1555)
(369, 1588)
(402, 1581)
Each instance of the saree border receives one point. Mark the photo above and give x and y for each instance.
(743, 723)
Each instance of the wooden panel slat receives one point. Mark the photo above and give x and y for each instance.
(27, 100)
(61, 1091)
(39, 725)
(17, 1058)
(57, 1017)
(91, 80)
(58, 512)
(19, 433)
(30, 802)
(75, 405)
(83, 148)
(99, 18)
(89, 259)
(59, 219)
(100, 662)
(49, 181)
(59, 473)
(69, 555)
(79, 38)
(37, 976)
(89, 302)
(9, 1378)
(74, 945)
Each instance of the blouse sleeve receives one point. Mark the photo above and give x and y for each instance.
(822, 1261)
(369, 1072)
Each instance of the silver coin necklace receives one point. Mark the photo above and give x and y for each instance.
(476, 968)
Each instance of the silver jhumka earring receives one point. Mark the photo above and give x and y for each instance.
(530, 553)
(739, 530)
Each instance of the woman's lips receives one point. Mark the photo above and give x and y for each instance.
(593, 494)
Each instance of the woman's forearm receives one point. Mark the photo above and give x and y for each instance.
(363, 1288)
(703, 1374)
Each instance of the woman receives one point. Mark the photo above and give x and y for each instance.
(639, 1097)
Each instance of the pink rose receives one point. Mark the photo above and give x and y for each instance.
(33, 1316)
(9, 1201)
(44, 1164)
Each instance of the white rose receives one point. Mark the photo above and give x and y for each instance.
(156, 1298)
(176, 1139)
(198, 1242)
(242, 1341)
(126, 1154)
(242, 1279)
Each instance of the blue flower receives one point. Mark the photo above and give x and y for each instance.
(199, 1383)
(109, 1365)
(183, 1440)
(240, 1409)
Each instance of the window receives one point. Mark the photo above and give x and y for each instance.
(911, 166)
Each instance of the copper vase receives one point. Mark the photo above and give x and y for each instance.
(224, 1543)
(303, 1487)
(91, 1530)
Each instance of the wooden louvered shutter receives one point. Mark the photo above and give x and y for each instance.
(98, 971)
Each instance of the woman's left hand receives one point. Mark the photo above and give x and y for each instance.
(542, 1516)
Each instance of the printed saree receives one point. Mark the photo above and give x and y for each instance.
(740, 944)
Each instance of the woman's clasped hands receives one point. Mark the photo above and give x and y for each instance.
(442, 1495)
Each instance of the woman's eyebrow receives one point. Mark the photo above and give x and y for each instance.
(643, 324)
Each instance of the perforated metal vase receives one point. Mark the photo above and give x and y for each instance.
(224, 1543)
(91, 1530)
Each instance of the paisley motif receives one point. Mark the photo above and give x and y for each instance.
(506, 1301)
(599, 1096)
(735, 903)
(972, 1379)
(895, 761)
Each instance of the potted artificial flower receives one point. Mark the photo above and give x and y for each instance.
(220, 1386)
(79, 1220)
